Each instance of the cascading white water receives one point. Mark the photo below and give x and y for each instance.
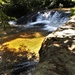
(50, 20)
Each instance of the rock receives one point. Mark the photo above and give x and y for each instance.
(57, 54)
(72, 19)
(29, 65)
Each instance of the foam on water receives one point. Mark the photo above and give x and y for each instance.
(12, 22)
(51, 20)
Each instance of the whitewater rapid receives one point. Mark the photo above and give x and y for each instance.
(50, 20)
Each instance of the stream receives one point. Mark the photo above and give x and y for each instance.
(45, 21)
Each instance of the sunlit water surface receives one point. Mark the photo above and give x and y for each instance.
(44, 21)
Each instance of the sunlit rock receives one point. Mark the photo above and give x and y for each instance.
(57, 54)
(72, 19)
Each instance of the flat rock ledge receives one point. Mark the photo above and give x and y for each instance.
(57, 54)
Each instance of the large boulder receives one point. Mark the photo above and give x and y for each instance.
(57, 54)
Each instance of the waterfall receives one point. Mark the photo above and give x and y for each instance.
(49, 20)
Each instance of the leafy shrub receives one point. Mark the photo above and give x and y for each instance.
(19, 8)
(73, 11)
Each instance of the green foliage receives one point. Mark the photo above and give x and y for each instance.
(4, 20)
(2, 2)
(18, 8)
(73, 11)
(73, 0)
(3, 17)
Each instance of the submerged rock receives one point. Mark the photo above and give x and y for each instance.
(57, 54)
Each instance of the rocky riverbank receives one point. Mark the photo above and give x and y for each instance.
(57, 54)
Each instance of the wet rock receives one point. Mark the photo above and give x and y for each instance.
(29, 65)
(57, 54)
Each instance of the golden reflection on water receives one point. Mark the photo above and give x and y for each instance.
(31, 41)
